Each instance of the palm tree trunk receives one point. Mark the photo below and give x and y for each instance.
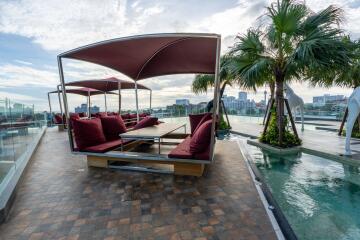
(272, 89)
(279, 97)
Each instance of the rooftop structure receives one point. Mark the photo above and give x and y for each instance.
(183, 102)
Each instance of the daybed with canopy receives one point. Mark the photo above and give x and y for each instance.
(108, 85)
(86, 92)
(141, 57)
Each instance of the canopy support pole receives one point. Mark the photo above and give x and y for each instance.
(137, 102)
(66, 107)
(51, 121)
(89, 105)
(61, 109)
(119, 88)
(105, 102)
(150, 100)
(215, 114)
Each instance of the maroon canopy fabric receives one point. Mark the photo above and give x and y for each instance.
(107, 84)
(83, 91)
(145, 56)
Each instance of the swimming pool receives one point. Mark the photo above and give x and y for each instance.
(320, 198)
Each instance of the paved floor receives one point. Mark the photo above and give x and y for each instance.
(319, 140)
(60, 198)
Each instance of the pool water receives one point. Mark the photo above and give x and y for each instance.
(320, 198)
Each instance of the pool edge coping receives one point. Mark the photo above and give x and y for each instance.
(269, 208)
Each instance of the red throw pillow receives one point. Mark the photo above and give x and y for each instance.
(82, 114)
(88, 132)
(133, 116)
(58, 119)
(146, 122)
(101, 114)
(112, 127)
(125, 116)
(195, 120)
(200, 141)
(205, 118)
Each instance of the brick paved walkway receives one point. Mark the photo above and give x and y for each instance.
(60, 198)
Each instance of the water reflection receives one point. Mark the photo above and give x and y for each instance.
(319, 197)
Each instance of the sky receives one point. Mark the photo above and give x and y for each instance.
(34, 32)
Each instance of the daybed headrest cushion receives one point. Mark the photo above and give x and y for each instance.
(101, 114)
(146, 122)
(112, 127)
(88, 132)
(58, 119)
(200, 141)
(195, 120)
(125, 116)
(74, 116)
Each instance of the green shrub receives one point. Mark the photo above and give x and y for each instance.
(271, 136)
(355, 133)
(223, 124)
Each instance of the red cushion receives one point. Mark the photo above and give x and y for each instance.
(205, 118)
(146, 122)
(88, 132)
(58, 119)
(183, 151)
(125, 116)
(74, 116)
(82, 114)
(200, 141)
(107, 146)
(101, 114)
(195, 120)
(132, 116)
(112, 127)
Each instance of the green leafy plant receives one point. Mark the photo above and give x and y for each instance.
(223, 124)
(355, 132)
(271, 136)
(297, 43)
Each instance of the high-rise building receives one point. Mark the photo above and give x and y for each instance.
(183, 102)
(327, 98)
(243, 96)
(84, 108)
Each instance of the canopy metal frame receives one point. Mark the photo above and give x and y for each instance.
(58, 92)
(136, 87)
(215, 113)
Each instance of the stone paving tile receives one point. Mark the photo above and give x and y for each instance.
(60, 198)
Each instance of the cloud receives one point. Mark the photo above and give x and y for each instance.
(14, 75)
(64, 24)
(22, 62)
(18, 97)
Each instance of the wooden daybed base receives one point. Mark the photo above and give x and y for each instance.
(180, 168)
(189, 167)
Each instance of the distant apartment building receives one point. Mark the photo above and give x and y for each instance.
(319, 101)
(84, 108)
(182, 102)
(242, 96)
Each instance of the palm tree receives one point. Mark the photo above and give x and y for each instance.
(296, 43)
(347, 76)
(203, 82)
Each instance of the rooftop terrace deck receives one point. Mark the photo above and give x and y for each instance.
(60, 198)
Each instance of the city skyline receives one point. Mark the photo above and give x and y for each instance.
(30, 39)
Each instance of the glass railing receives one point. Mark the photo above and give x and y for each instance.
(20, 129)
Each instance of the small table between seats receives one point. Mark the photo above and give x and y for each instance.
(156, 132)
